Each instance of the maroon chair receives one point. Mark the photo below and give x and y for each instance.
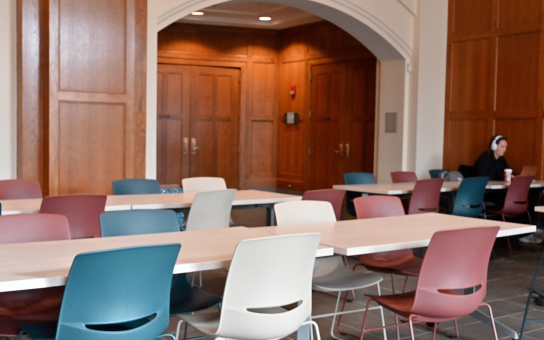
(398, 262)
(336, 197)
(34, 305)
(452, 282)
(82, 211)
(20, 188)
(426, 196)
(516, 202)
(403, 176)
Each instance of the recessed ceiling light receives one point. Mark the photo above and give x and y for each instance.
(197, 13)
(265, 18)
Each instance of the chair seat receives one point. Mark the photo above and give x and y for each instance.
(411, 267)
(343, 279)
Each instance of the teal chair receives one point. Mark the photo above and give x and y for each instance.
(120, 294)
(469, 199)
(356, 178)
(134, 186)
(435, 172)
(183, 297)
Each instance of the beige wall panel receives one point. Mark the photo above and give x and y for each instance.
(92, 41)
(91, 147)
(517, 72)
(469, 76)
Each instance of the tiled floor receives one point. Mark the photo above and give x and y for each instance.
(507, 294)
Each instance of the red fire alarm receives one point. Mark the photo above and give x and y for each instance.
(293, 90)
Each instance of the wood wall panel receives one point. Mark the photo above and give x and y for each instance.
(517, 72)
(513, 72)
(104, 152)
(469, 76)
(91, 32)
(465, 133)
(516, 13)
(468, 16)
(262, 166)
(520, 133)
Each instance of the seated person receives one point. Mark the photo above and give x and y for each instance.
(491, 162)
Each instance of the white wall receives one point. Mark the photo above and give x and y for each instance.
(8, 90)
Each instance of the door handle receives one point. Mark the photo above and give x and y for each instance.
(347, 150)
(340, 150)
(185, 145)
(194, 148)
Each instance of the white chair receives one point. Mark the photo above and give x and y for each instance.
(330, 273)
(210, 210)
(199, 184)
(255, 294)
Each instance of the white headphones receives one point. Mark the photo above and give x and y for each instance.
(494, 144)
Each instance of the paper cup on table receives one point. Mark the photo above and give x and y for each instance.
(507, 175)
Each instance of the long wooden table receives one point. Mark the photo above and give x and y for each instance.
(45, 264)
(181, 201)
(407, 187)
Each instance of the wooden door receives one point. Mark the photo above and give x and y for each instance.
(198, 118)
(342, 121)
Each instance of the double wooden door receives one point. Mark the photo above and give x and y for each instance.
(198, 121)
(342, 121)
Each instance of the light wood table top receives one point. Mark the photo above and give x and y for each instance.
(155, 201)
(46, 264)
(407, 187)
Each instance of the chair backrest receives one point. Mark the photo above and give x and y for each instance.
(133, 186)
(82, 211)
(378, 206)
(434, 172)
(356, 178)
(469, 199)
(135, 222)
(426, 196)
(200, 184)
(403, 176)
(33, 228)
(266, 273)
(516, 200)
(528, 170)
(359, 178)
(19, 188)
(335, 197)
(301, 212)
(119, 293)
(211, 210)
(456, 260)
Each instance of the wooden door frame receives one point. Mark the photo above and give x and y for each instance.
(242, 118)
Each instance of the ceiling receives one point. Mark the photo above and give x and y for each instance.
(246, 14)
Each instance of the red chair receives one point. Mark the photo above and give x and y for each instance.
(36, 304)
(20, 188)
(426, 196)
(403, 176)
(452, 282)
(336, 197)
(399, 262)
(516, 202)
(82, 211)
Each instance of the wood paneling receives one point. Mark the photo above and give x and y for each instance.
(495, 82)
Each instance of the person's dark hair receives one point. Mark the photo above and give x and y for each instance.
(494, 142)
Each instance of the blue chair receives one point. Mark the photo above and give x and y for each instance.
(183, 297)
(134, 186)
(435, 172)
(356, 178)
(469, 200)
(114, 294)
